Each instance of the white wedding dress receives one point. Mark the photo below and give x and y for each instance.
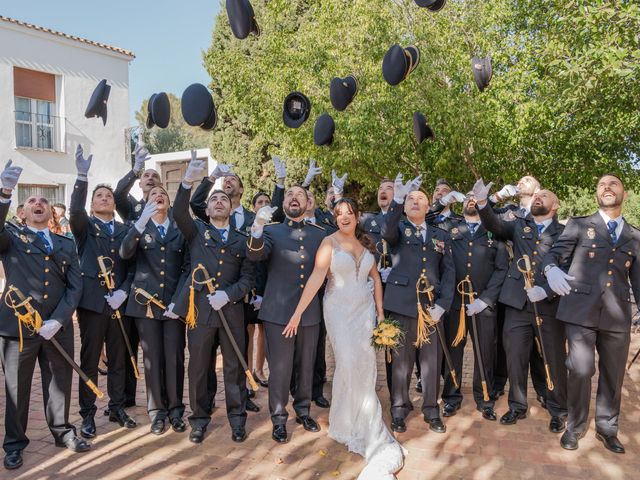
(355, 418)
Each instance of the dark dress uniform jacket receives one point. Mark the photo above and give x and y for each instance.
(483, 258)
(599, 295)
(372, 226)
(161, 267)
(411, 257)
(289, 248)
(52, 280)
(93, 241)
(226, 264)
(526, 240)
(127, 206)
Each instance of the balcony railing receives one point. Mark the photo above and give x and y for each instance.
(38, 131)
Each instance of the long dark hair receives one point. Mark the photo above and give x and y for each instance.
(366, 241)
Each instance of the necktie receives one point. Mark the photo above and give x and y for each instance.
(223, 234)
(612, 225)
(108, 227)
(47, 245)
(540, 227)
(472, 227)
(419, 231)
(161, 230)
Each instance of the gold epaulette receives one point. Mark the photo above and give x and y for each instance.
(316, 225)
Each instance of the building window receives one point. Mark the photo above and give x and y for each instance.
(53, 193)
(37, 126)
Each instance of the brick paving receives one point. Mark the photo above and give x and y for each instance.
(472, 448)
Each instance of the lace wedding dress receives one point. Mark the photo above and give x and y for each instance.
(355, 418)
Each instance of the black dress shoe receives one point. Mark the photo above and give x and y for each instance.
(261, 381)
(419, 386)
(511, 417)
(251, 393)
(309, 424)
(450, 409)
(556, 425)
(197, 434)
(88, 428)
(569, 440)
(178, 425)
(322, 402)
(157, 427)
(398, 425)
(279, 433)
(611, 443)
(488, 413)
(541, 401)
(75, 444)
(13, 460)
(238, 434)
(251, 406)
(436, 424)
(121, 417)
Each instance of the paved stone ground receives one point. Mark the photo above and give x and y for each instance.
(472, 448)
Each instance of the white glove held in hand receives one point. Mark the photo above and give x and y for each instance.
(507, 191)
(451, 198)
(558, 281)
(169, 312)
(384, 274)
(195, 170)
(481, 191)
(416, 182)
(10, 175)
(436, 312)
(401, 190)
(221, 170)
(281, 170)
(311, 173)
(82, 164)
(148, 211)
(536, 294)
(116, 299)
(256, 302)
(476, 307)
(49, 328)
(262, 217)
(338, 182)
(141, 155)
(218, 300)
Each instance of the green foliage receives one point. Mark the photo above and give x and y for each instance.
(562, 104)
(177, 136)
(582, 201)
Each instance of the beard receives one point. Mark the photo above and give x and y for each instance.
(471, 211)
(294, 212)
(609, 202)
(539, 210)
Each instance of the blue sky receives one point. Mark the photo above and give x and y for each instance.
(167, 36)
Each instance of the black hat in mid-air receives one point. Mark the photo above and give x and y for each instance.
(242, 18)
(158, 110)
(323, 130)
(97, 106)
(342, 91)
(296, 109)
(197, 106)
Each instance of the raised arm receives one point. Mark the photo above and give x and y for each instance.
(320, 269)
(78, 217)
(198, 201)
(9, 179)
(390, 227)
(183, 219)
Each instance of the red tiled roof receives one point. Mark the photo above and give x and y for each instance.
(65, 35)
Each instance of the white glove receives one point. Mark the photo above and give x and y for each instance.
(480, 190)
(384, 273)
(218, 300)
(195, 169)
(416, 182)
(400, 190)
(436, 312)
(141, 155)
(312, 172)
(256, 302)
(148, 211)
(558, 281)
(169, 312)
(536, 294)
(221, 170)
(281, 170)
(49, 328)
(452, 197)
(82, 164)
(116, 299)
(505, 192)
(476, 307)
(338, 182)
(10, 175)
(262, 217)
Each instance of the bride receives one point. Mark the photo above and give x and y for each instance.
(350, 309)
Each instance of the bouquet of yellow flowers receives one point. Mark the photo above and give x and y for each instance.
(389, 335)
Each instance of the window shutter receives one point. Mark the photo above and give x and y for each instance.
(33, 84)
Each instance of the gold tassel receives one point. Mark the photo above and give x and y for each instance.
(190, 319)
(149, 311)
(20, 330)
(462, 327)
(423, 333)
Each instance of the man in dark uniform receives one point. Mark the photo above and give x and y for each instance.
(446, 196)
(417, 250)
(596, 309)
(99, 235)
(481, 258)
(290, 249)
(532, 236)
(221, 250)
(44, 267)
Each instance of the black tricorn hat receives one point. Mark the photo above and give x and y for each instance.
(342, 91)
(242, 18)
(158, 110)
(421, 129)
(399, 62)
(482, 71)
(433, 5)
(323, 130)
(97, 106)
(198, 109)
(296, 109)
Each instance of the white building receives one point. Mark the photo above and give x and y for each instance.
(46, 81)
